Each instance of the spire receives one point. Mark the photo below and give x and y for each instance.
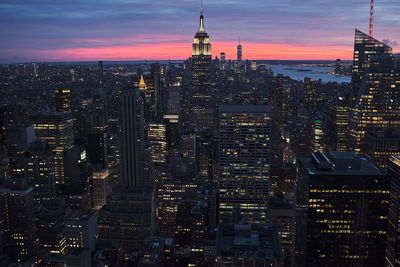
(201, 29)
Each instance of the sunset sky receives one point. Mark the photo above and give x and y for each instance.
(78, 30)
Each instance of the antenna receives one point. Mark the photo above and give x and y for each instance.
(201, 7)
(371, 19)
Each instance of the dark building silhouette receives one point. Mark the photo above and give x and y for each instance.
(393, 240)
(342, 206)
(17, 220)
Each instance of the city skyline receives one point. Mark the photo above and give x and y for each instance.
(136, 30)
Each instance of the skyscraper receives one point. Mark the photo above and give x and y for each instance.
(56, 129)
(17, 219)
(365, 48)
(244, 161)
(157, 140)
(63, 100)
(132, 171)
(393, 240)
(337, 122)
(239, 52)
(202, 107)
(376, 90)
(40, 171)
(342, 206)
(126, 219)
(380, 146)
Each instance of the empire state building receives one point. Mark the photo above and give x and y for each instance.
(202, 106)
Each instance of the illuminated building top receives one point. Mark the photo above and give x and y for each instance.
(201, 42)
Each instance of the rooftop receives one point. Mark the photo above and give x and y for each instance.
(256, 108)
(340, 163)
(248, 241)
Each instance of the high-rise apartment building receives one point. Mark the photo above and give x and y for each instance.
(244, 161)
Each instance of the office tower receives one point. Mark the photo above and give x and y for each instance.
(63, 100)
(158, 90)
(99, 188)
(239, 52)
(55, 129)
(169, 193)
(132, 169)
(191, 222)
(157, 141)
(365, 48)
(337, 123)
(281, 214)
(17, 220)
(393, 240)
(100, 67)
(243, 244)
(96, 148)
(49, 222)
(40, 171)
(81, 230)
(99, 111)
(380, 146)
(244, 160)
(341, 211)
(174, 100)
(202, 107)
(9, 117)
(126, 219)
(19, 138)
(317, 135)
(75, 169)
(375, 85)
(310, 94)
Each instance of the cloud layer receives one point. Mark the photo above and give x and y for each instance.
(49, 30)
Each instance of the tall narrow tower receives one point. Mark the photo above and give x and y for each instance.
(371, 19)
(239, 51)
(202, 107)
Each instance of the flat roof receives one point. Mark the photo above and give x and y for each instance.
(256, 108)
(344, 163)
